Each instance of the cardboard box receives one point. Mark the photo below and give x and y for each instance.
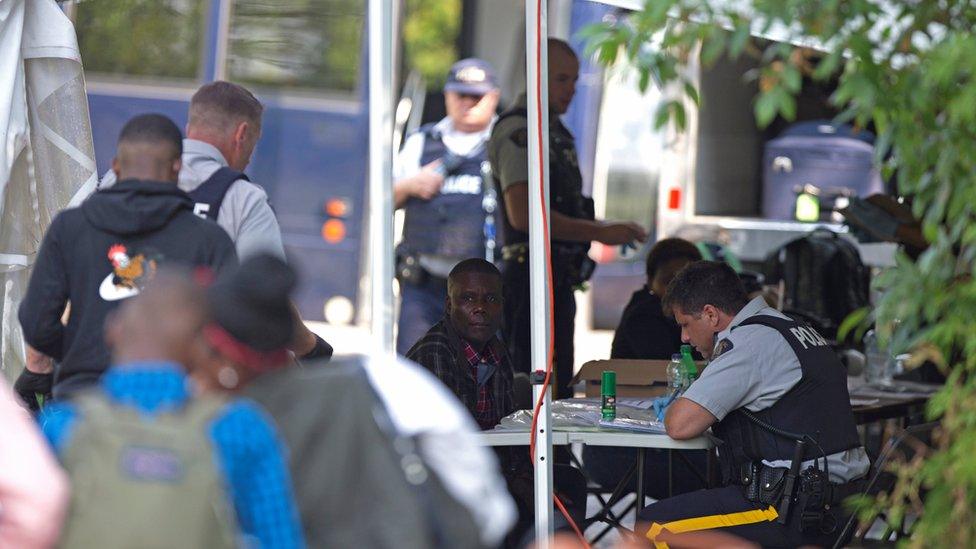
(635, 378)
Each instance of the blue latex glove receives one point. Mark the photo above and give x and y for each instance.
(661, 403)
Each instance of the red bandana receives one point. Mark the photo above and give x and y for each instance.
(241, 353)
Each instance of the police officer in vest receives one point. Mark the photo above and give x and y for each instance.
(572, 223)
(450, 209)
(775, 394)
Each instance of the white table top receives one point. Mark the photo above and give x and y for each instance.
(597, 438)
(517, 438)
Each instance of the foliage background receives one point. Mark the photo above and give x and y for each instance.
(430, 32)
(311, 44)
(141, 37)
(907, 69)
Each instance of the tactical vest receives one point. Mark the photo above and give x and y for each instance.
(145, 482)
(818, 405)
(565, 196)
(208, 197)
(565, 179)
(452, 223)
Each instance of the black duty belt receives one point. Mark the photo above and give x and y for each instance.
(571, 266)
(409, 271)
(764, 484)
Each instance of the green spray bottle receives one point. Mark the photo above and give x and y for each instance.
(608, 395)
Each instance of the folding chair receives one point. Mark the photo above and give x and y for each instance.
(904, 446)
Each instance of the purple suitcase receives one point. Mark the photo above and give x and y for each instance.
(830, 158)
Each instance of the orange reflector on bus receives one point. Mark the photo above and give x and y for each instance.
(674, 198)
(333, 231)
(337, 207)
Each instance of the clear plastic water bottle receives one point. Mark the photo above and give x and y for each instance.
(676, 374)
(876, 368)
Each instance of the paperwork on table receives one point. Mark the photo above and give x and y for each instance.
(633, 414)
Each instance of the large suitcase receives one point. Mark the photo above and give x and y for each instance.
(821, 158)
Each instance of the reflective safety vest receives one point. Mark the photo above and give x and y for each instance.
(452, 223)
(818, 405)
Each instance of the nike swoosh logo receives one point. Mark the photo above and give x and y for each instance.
(111, 292)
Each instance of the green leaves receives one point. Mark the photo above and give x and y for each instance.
(430, 30)
(713, 47)
(908, 73)
(777, 101)
(670, 110)
(828, 66)
(854, 324)
(791, 79)
(765, 109)
(604, 40)
(692, 93)
(740, 37)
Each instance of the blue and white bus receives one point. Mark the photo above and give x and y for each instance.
(305, 61)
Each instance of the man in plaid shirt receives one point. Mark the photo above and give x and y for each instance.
(463, 349)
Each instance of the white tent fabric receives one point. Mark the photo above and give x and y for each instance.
(47, 161)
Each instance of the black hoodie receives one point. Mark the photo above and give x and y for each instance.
(102, 252)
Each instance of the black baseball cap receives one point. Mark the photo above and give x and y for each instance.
(251, 302)
(471, 76)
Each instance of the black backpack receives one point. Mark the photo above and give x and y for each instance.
(823, 277)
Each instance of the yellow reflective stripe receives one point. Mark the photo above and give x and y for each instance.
(653, 533)
(695, 524)
(722, 521)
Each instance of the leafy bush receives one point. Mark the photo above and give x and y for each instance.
(906, 69)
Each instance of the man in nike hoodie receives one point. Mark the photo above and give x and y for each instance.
(109, 248)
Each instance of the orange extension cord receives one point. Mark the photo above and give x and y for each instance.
(548, 249)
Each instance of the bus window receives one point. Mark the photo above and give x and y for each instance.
(151, 38)
(312, 44)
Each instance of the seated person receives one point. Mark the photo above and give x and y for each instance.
(645, 331)
(344, 454)
(466, 353)
(769, 377)
(463, 349)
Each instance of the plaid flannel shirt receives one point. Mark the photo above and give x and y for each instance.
(484, 410)
(442, 351)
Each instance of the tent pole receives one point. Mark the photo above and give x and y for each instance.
(537, 91)
(381, 172)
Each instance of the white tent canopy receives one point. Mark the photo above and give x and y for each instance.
(381, 15)
(47, 161)
(381, 211)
